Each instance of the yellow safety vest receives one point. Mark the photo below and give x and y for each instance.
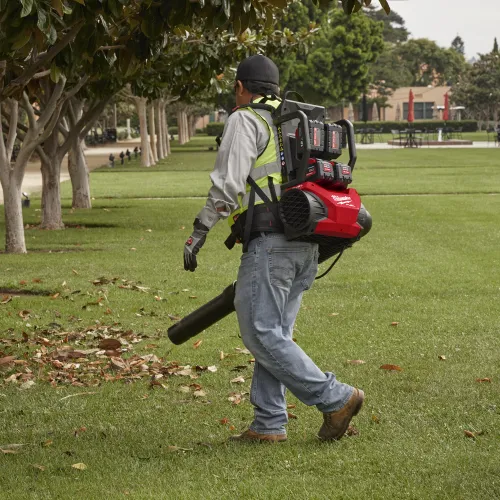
(268, 163)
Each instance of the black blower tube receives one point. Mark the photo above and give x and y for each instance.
(203, 317)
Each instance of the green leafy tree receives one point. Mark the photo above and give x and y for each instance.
(458, 45)
(336, 65)
(428, 63)
(479, 89)
(495, 46)
(395, 30)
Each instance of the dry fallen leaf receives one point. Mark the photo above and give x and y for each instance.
(356, 361)
(55, 296)
(118, 363)
(7, 360)
(486, 379)
(351, 431)
(221, 355)
(24, 314)
(40, 467)
(473, 435)
(238, 380)
(334, 314)
(178, 448)
(224, 421)
(27, 384)
(174, 318)
(110, 344)
(199, 394)
(197, 344)
(395, 323)
(212, 369)
(5, 299)
(10, 448)
(442, 358)
(291, 415)
(391, 367)
(79, 466)
(291, 406)
(75, 271)
(375, 419)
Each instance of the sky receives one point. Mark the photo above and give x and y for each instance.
(477, 22)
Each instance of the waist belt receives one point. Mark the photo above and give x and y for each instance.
(264, 220)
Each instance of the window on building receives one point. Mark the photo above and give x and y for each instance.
(422, 110)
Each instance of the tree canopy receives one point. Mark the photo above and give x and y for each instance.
(336, 64)
(479, 88)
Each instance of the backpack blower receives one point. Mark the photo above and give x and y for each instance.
(316, 204)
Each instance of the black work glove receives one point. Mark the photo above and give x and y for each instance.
(193, 245)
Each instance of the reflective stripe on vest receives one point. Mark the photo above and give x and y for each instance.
(267, 164)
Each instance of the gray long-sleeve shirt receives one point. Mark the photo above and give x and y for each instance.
(244, 138)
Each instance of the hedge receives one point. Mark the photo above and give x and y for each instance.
(466, 125)
(173, 130)
(214, 128)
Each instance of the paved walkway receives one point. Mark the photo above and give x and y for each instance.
(98, 156)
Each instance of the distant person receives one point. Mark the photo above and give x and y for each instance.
(112, 160)
(136, 152)
(128, 155)
(122, 156)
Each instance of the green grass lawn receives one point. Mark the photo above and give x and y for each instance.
(431, 264)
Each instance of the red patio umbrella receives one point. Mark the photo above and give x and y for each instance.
(411, 113)
(446, 112)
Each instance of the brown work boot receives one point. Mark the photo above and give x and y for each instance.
(250, 436)
(335, 424)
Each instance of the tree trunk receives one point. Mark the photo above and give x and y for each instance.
(165, 129)
(51, 183)
(140, 103)
(186, 127)
(152, 133)
(163, 140)
(157, 120)
(79, 173)
(192, 125)
(14, 229)
(180, 128)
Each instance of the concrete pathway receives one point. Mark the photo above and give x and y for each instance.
(96, 157)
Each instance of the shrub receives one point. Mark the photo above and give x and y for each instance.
(200, 130)
(173, 130)
(214, 128)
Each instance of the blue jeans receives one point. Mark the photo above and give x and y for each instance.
(273, 275)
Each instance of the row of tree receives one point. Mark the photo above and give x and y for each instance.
(62, 61)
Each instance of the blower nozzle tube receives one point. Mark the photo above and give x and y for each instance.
(203, 317)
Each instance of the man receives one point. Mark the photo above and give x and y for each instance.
(274, 272)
